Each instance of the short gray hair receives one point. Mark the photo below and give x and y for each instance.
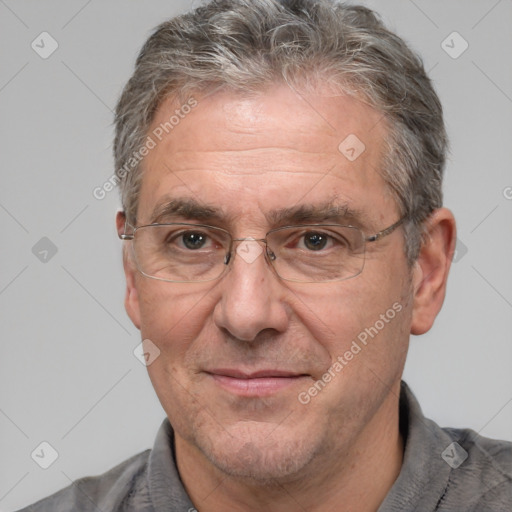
(244, 45)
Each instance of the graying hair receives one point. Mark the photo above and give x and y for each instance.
(246, 45)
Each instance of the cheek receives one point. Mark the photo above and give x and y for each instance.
(373, 313)
(330, 316)
(172, 315)
(367, 340)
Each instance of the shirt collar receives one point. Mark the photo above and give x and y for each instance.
(166, 489)
(424, 474)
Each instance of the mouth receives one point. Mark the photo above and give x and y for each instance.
(255, 384)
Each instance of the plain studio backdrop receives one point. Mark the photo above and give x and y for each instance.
(69, 376)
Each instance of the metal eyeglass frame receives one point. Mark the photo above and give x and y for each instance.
(372, 238)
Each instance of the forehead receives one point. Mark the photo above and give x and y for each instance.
(265, 151)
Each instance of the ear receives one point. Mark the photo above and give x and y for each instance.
(131, 300)
(431, 269)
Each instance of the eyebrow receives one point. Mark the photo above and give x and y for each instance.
(328, 211)
(186, 208)
(191, 209)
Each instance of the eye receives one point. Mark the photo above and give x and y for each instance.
(315, 241)
(188, 240)
(318, 241)
(194, 239)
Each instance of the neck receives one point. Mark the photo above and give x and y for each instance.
(356, 477)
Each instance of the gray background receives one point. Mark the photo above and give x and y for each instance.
(68, 373)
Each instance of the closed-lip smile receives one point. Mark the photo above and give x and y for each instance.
(254, 383)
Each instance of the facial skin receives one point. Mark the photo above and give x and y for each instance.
(246, 443)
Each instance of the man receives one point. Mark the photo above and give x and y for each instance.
(281, 166)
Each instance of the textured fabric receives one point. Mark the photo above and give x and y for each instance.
(428, 481)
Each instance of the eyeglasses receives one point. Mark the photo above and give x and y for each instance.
(186, 253)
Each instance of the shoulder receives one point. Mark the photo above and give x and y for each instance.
(449, 469)
(481, 472)
(106, 492)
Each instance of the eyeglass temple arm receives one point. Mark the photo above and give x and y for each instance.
(385, 232)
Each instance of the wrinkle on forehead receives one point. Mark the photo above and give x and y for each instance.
(261, 153)
(280, 115)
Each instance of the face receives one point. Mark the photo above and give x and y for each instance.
(240, 356)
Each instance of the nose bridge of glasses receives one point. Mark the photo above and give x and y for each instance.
(247, 251)
(250, 239)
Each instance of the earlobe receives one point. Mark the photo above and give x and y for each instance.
(131, 301)
(431, 270)
(131, 304)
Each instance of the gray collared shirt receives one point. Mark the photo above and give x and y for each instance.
(444, 470)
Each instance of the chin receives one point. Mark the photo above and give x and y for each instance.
(258, 452)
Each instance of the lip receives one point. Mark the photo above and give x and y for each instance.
(254, 384)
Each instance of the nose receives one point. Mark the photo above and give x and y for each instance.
(251, 299)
